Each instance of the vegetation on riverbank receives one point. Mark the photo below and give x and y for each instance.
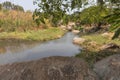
(20, 25)
(96, 20)
(101, 40)
(93, 49)
(11, 20)
(14, 18)
(15, 24)
(39, 35)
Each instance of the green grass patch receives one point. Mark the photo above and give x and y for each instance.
(98, 38)
(93, 56)
(92, 53)
(39, 35)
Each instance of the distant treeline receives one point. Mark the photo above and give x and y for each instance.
(14, 18)
(10, 6)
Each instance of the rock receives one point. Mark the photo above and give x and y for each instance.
(110, 46)
(69, 28)
(63, 27)
(71, 23)
(107, 35)
(78, 40)
(52, 68)
(59, 36)
(92, 44)
(76, 31)
(109, 68)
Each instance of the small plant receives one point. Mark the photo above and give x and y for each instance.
(78, 28)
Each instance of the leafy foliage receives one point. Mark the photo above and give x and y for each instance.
(55, 10)
(114, 1)
(93, 15)
(0, 6)
(114, 20)
(117, 33)
(114, 17)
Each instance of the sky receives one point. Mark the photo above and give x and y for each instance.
(26, 4)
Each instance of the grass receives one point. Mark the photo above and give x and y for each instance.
(11, 20)
(94, 56)
(92, 53)
(39, 35)
(21, 26)
(98, 38)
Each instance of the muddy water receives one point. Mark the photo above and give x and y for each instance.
(19, 52)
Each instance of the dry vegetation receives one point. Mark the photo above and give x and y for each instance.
(16, 21)
(21, 26)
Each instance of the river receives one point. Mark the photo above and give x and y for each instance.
(19, 52)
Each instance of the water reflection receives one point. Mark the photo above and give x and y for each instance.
(33, 51)
(15, 47)
(2, 50)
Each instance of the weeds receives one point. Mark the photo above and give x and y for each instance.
(40, 35)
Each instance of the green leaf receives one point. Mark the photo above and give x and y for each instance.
(117, 33)
(47, 6)
(73, 4)
(43, 0)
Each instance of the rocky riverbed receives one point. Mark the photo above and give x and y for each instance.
(51, 68)
(62, 68)
(65, 68)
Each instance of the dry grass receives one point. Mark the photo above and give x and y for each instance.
(16, 21)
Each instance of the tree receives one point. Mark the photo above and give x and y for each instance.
(9, 6)
(17, 8)
(54, 10)
(114, 17)
(0, 6)
(100, 2)
(93, 15)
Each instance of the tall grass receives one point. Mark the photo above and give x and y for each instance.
(20, 25)
(16, 21)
